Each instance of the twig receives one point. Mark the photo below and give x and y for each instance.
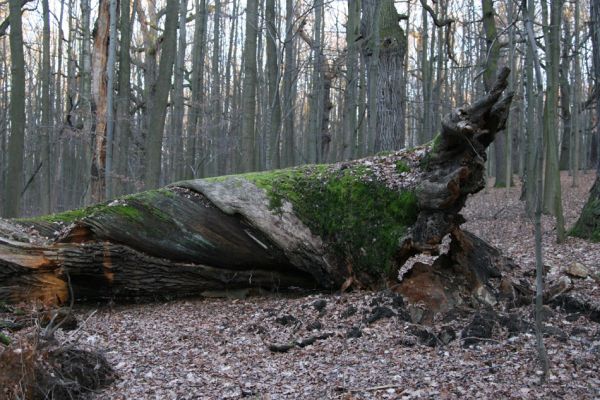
(376, 388)
(68, 338)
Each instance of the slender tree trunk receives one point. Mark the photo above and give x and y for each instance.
(249, 150)
(273, 78)
(552, 189)
(110, 99)
(351, 92)
(197, 88)
(575, 150)
(565, 99)
(46, 113)
(588, 224)
(288, 83)
(177, 96)
(230, 68)
(217, 135)
(426, 79)
(123, 120)
(100, 101)
(86, 103)
(14, 176)
(538, 165)
(148, 22)
(163, 86)
(491, 66)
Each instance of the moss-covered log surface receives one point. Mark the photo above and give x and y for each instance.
(588, 224)
(317, 226)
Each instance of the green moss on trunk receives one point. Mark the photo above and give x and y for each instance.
(129, 207)
(588, 224)
(360, 218)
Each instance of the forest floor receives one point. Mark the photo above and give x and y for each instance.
(362, 346)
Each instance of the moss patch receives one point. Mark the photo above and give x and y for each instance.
(361, 219)
(129, 207)
(588, 225)
(402, 166)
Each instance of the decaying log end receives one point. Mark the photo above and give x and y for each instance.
(314, 226)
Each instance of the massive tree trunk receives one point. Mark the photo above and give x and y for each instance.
(588, 225)
(316, 226)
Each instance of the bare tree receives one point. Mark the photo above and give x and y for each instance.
(159, 107)
(248, 153)
(14, 176)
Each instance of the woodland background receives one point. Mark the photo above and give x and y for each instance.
(99, 99)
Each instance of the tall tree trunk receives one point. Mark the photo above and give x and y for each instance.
(86, 113)
(228, 159)
(177, 96)
(351, 92)
(197, 88)
(288, 84)
(529, 188)
(389, 83)
(370, 33)
(575, 148)
(273, 78)
(148, 22)
(426, 80)
(313, 142)
(217, 136)
(565, 98)
(14, 175)
(110, 99)
(588, 224)
(159, 108)
(47, 125)
(249, 150)
(99, 101)
(122, 101)
(491, 66)
(552, 188)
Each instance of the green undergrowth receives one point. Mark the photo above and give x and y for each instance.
(360, 218)
(588, 225)
(434, 147)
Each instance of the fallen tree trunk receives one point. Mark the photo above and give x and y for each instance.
(318, 226)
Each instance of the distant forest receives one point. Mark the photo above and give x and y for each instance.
(100, 99)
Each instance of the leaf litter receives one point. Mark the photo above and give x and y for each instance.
(363, 345)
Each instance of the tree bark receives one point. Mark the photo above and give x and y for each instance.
(46, 112)
(100, 101)
(552, 190)
(16, 142)
(123, 121)
(197, 87)
(351, 92)
(273, 78)
(316, 226)
(248, 153)
(176, 156)
(288, 137)
(159, 108)
(389, 81)
(588, 224)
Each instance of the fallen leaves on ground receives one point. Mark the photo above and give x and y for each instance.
(220, 348)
